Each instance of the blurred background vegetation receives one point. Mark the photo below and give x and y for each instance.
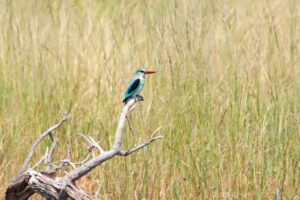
(225, 98)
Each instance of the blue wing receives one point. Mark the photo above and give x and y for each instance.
(133, 86)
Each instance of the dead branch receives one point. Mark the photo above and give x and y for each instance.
(47, 184)
(126, 153)
(51, 149)
(42, 159)
(31, 150)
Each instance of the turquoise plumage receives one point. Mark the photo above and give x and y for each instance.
(137, 84)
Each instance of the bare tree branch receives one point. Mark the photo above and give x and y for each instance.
(31, 150)
(91, 164)
(51, 150)
(126, 153)
(92, 142)
(48, 184)
(48, 187)
(90, 148)
(56, 168)
(121, 125)
(96, 145)
(43, 158)
(65, 162)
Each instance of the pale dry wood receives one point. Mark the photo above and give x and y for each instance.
(33, 146)
(48, 187)
(126, 153)
(47, 184)
(51, 150)
(42, 159)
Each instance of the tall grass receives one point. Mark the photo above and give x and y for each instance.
(225, 98)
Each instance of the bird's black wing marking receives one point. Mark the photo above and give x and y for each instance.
(134, 85)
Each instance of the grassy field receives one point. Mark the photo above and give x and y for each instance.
(226, 97)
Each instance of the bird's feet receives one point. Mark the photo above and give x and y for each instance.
(138, 98)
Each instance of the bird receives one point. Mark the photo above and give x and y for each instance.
(136, 85)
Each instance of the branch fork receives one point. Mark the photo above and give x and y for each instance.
(47, 184)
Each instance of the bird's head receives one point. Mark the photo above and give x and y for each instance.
(143, 71)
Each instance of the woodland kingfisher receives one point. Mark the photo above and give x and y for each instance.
(137, 84)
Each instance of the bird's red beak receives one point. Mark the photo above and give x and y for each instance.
(149, 71)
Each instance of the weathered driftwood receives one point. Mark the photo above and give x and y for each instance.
(48, 184)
